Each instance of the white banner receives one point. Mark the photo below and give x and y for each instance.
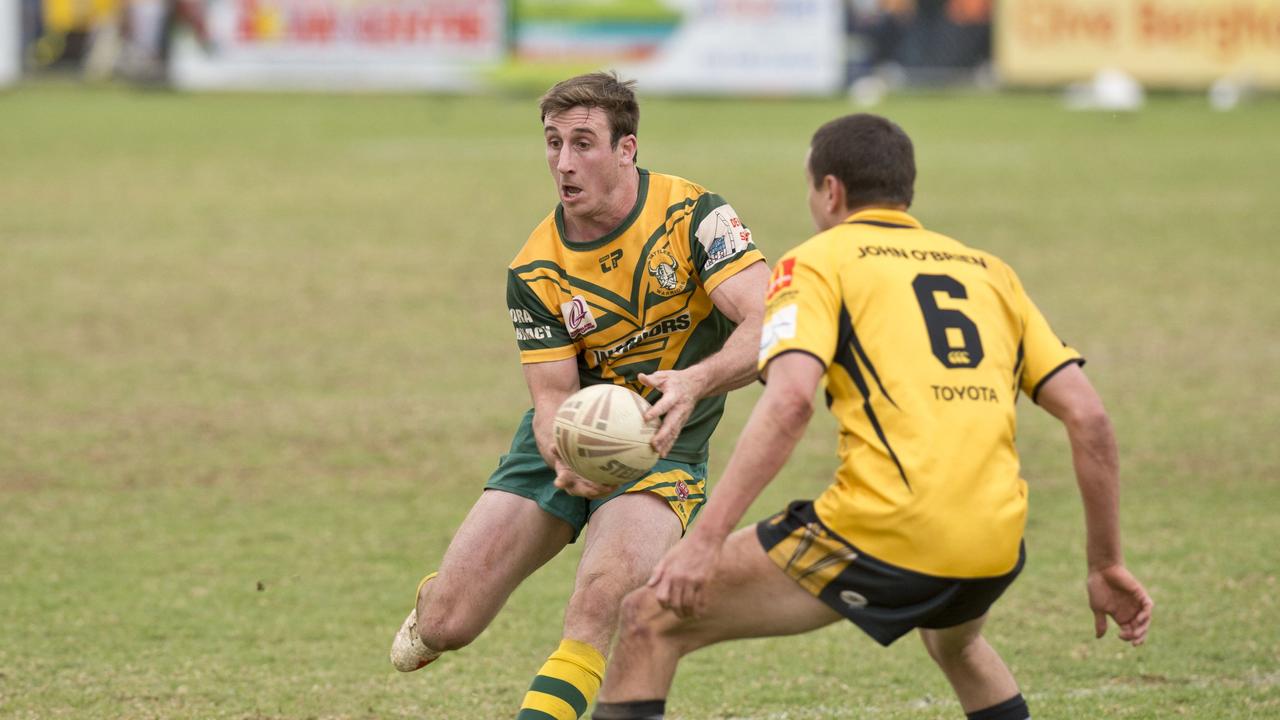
(344, 45)
(770, 47)
(10, 41)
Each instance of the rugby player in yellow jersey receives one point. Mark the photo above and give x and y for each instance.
(924, 344)
(637, 278)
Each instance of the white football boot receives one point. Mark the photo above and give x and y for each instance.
(408, 652)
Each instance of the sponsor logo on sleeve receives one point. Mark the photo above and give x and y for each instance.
(780, 326)
(722, 235)
(526, 327)
(781, 278)
(578, 319)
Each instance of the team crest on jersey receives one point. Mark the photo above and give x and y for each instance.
(662, 265)
(578, 319)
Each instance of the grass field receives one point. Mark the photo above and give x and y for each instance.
(255, 366)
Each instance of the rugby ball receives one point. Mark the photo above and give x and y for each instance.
(601, 433)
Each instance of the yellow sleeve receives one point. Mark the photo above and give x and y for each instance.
(802, 308)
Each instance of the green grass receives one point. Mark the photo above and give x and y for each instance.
(255, 366)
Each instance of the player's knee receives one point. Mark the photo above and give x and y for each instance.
(596, 599)
(443, 625)
(948, 650)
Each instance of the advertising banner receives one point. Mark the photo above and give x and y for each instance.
(1162, 43)
(10, 42)
(344, 45)
(706, 47)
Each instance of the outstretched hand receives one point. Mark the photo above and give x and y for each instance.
(680, 393)
(1114, 592)
(680, 579)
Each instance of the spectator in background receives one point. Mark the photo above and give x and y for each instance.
(136, 42)
(931, 39)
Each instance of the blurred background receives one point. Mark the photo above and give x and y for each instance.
(256, 362)
(703, 47)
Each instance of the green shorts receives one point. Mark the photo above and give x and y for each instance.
(523, 472)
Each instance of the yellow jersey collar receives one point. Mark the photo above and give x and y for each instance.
(884, 218)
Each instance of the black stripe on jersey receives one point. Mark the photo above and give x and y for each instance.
(845, 358)
(862, 355)
(823, 363)
(1035, 392)
(1017, 371)
(879, 223)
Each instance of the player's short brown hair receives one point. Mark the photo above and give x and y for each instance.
(870, 155)
(597, 90)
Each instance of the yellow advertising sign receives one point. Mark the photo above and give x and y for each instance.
(1164, 43)
(63, 16)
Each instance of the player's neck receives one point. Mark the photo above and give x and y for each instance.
(609, 216)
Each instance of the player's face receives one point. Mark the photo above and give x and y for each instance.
(587, 169)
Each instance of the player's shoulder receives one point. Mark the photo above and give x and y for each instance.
(539, 246)
(826, 248)
(999, 270)
(674, 187)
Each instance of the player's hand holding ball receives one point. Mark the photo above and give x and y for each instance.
(574, 484)
(680, 393)
(602, 440)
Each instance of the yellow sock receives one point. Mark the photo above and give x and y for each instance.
(566, 684)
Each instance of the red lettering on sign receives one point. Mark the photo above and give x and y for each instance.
(1047, 22)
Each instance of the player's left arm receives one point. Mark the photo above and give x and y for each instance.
(1113, 590)
(775, 427)
(549, 384)
(741, 299)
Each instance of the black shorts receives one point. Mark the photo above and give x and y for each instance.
(884, 600)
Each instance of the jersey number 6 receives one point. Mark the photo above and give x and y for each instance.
(952, 335)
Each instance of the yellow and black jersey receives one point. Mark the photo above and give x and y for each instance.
(638, 299)
(927, 344)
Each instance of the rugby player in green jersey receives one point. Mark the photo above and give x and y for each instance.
(636, 278)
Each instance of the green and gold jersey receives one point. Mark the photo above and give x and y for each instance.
(638, 299)
(927, 344)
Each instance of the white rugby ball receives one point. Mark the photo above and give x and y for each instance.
(601, 433)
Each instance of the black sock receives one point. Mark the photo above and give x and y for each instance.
(1015, 708)
(638, 710)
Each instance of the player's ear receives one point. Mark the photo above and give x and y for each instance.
(833, 195)
(629, 149)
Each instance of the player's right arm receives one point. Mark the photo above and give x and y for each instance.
(1113, 591)
(550, 362)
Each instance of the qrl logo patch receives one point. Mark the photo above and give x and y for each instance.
(578, 319)
(682, 490)
(782, 276)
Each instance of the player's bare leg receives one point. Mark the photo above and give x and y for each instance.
(625, 539)
(502, 541)
(751, 597)
(978, 675)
